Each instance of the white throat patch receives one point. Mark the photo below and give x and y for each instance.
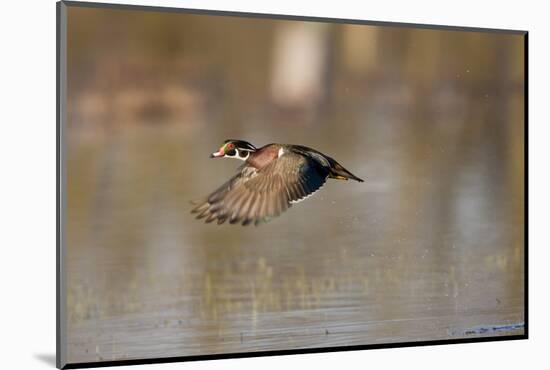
(281, 152)
(238, 153)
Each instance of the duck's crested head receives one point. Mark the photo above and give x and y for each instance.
(234, 149)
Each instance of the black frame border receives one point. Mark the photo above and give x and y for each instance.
(61, 35)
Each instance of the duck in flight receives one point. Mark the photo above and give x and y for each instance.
(271, 179)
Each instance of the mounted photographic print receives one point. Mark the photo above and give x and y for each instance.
(234, 184)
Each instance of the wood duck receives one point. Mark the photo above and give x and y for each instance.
(271, 179)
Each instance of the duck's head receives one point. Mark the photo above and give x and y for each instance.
(234, 149)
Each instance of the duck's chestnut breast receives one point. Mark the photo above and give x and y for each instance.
(263, 156)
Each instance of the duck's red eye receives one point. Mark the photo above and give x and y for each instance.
(230, 146)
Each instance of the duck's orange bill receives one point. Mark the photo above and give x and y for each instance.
(219, 153)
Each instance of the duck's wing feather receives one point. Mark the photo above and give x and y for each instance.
(259, 195)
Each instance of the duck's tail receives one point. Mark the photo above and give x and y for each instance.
(338, 172)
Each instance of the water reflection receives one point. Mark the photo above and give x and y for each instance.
(429, 247)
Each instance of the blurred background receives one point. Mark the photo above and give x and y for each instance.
(430, 246)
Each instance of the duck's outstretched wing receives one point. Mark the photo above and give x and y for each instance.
(259, 195)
